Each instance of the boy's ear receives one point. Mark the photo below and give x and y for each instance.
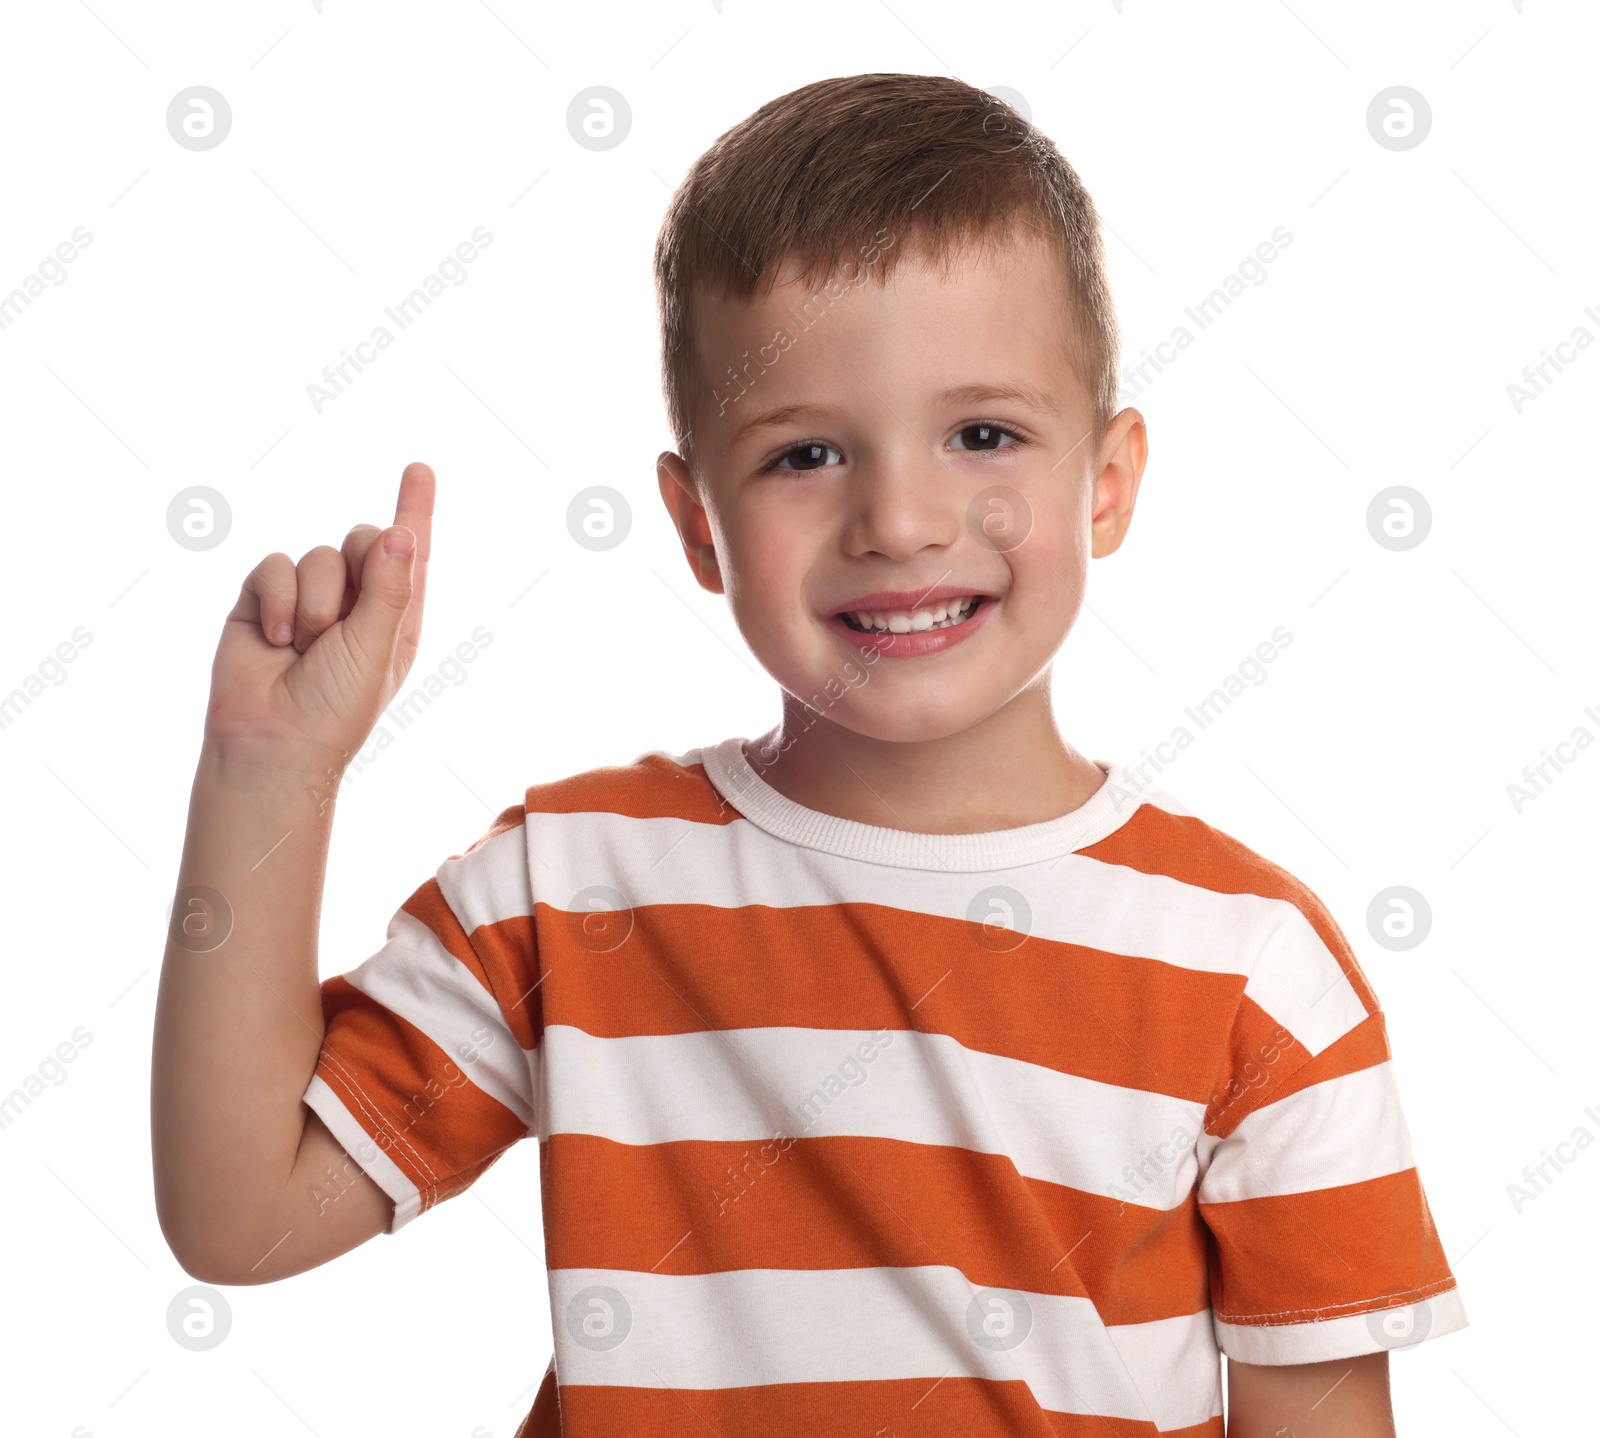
(1125, 448)
(682, 499)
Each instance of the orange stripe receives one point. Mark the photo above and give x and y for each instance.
(1259, 1057)
(1265, 1080)
(1351, 1246)
(1365, 1046)
(1263, 1073)
(898, 1408)
(836, 1202)
(500, 956)
(408, 1094)
(1182, 847)
(686, 968)
(652, 788)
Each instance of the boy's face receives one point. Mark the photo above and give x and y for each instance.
(877, 456)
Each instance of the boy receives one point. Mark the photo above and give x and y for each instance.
(903, 1071)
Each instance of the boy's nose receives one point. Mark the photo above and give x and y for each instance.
(901, 499)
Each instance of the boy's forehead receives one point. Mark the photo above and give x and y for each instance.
(917, 267)
(980, 307)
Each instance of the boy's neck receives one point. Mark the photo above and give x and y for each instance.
(1012, 769)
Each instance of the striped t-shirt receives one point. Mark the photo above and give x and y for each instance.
(852, 1130)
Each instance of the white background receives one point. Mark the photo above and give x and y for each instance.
(367, 142)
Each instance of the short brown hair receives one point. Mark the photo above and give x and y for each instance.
(933, 161)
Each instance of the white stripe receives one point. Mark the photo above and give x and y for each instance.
(1346, 1337)
(754, 1085)
(1300, 984)
(377, 1164)
(1343, 1130)
(417, 978)
(1175, 1363)
(769, 1325)
(490, 883)
(1073, 900)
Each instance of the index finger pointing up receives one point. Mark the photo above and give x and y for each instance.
(414, 507)
(414, 510)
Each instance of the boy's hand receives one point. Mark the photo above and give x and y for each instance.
(312, 653)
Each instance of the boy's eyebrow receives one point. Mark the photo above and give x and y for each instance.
(775, 417)
(1035, 399)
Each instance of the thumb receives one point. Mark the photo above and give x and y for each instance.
(373, 623)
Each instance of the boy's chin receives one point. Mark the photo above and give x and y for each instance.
(900, 722)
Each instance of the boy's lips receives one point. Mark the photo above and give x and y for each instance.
(954, 625)
(889, 599)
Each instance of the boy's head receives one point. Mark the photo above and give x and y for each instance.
(890, 356)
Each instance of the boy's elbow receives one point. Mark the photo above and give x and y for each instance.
(201, 1261)
(222, 1268)
(204, 1268)
(202, 1252)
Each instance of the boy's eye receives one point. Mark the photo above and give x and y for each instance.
(816, 455)
(808, 456)
(985, 436)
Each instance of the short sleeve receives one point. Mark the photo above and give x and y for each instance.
(428, 1070)
(1323, 1244)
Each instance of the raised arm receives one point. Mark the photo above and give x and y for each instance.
(308, 659)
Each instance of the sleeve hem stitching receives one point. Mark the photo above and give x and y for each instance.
(1376, 1304)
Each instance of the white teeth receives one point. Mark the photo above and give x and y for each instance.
(901, 621)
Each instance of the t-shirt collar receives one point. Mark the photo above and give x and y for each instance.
(738, 781)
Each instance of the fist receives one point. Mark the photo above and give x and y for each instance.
(313, 652)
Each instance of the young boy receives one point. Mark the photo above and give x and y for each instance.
(903, 1071)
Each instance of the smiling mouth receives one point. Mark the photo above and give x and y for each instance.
(944, 615)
